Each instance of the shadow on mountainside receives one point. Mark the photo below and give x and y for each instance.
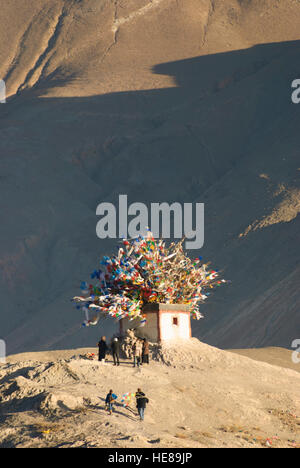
(227, 136)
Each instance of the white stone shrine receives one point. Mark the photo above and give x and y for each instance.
(164, 322)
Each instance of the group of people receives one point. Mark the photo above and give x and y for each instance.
(141, 402)
(104, 348)
(140, 351)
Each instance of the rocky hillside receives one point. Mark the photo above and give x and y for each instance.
(199, 396)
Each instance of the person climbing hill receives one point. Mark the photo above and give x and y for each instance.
(141, 402)
(109, 401)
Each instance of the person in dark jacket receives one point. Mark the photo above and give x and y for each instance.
(115, 347)
(145, 352)
(141, 402)
(102, 348)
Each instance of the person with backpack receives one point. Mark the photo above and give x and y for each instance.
(109, 401)
(141, 402)
(115, 348)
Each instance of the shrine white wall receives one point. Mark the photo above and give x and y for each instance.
(169, 331)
